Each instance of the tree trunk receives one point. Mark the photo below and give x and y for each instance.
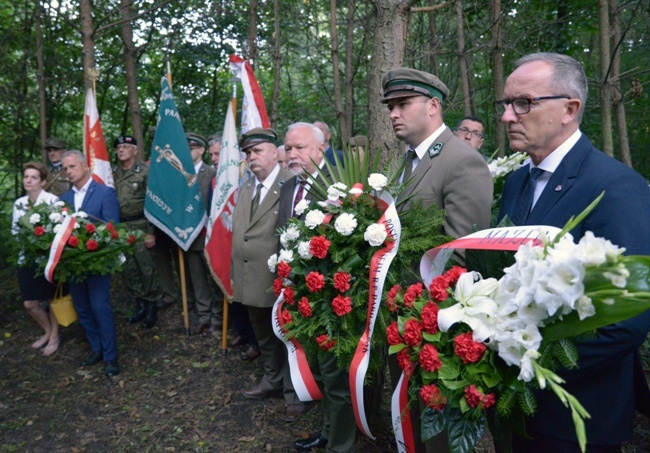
(605, 87)
(88, 43)
(349, 72)
(617, 90)
(433, 39)
(462, 59)
(344, 134)
(131, 75)
(277, 67)
(41, 80)
(252, 33)
(387, 53)
(497, 72)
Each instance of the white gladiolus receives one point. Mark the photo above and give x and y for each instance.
(377, 181)
(375, 234)
(345, 224)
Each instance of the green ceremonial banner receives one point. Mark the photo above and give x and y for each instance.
(174, 202)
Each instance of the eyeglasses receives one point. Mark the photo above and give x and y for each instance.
(521, 106)
(464, 131)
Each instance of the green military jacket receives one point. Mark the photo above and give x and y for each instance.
(131, 187)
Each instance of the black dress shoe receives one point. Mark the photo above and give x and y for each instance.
(311, 442)
(150, 315)
(112, 368)
(139, 313)
(94, 358)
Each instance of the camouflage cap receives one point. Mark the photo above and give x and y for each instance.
(407, 82)
(196, 139)
(125, 140)
(55, 143)
(257, 135)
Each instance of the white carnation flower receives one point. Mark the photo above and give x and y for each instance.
(285, 256)
(304, 250)
(80, 214)
(336, 191)
(314, 218)
(288, 236)
(34, 219)
(345, 224)
(272, 262)
(375, 234)
(57, 228)
(301, 206)
(58, 204)
(377, 181)
(56, 217)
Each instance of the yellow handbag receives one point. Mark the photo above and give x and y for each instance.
(62, 307)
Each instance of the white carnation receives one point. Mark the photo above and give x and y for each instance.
(285, 256)
(57, 228)
(301, 206)
(345, 224)
(314, 218)
(80, 214)
(56, 217)
(336, 191)
(288, 236)
(375, 234)
(34, 219)
(58, 204)
(377, 181)
(304, 250)
(272, 262)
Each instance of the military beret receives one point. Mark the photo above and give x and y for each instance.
(197, 139)
(257, 135)
(56, 143)
(358, 140)
(406, 82)
(125, 140)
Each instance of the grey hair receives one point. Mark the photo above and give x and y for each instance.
(318, 134)
(568, 75)
(75, 152)
(214, 139)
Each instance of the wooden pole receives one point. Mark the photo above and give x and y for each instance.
(181, 267)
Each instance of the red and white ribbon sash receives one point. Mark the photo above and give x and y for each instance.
(379, 265)
(432, 265)
(301, 376)
(58, 244)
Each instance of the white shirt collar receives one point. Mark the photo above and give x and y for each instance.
(84, 188)
(553, 160)
(268, 182)
(197, 167)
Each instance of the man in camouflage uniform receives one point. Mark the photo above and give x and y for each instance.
(56, 182)
(139, 270)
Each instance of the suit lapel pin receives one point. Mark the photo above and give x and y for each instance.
(434, 149)
(280, 182)
(558, 188)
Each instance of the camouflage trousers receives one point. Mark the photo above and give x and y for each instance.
(139, 271)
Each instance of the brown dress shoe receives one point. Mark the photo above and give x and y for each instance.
(200, 328)
(294, 411)
(250, 354)
(256, 393)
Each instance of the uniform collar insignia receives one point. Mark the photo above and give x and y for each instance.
(435, 149)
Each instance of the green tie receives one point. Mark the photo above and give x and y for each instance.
(256, 199)
(408, 165)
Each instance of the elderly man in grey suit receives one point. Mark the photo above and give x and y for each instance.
(440, 169)
(254, 240)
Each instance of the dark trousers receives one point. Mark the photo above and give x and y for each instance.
(241, 322)
(91, 299)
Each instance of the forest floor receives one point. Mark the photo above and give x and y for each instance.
(174, 394)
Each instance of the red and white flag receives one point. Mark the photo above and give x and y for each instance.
(253, 112)
(218, 243)
(94, 143)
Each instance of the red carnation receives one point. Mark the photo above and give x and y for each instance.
(325, 343)
(318, 246)
(90, 228)
(467, 349)
(278, 284)
(429, 358)
(413, 292)
(304, 308)
(91, 245)
(432, 397)
(315, 281)
(73, 241)
(39, 231)
(412, 332)
(453, 274)
(430, 318)
(342, 281)
(286, 317)
(114, 234)
(130, 239)
(438, 288)
(392, 334)
(284, 269)
(342, 305)
(110, 227)
(289, 295)
(404, 359)
(475, 398)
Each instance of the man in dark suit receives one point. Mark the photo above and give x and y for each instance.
(254, 240)
(91, 296)
(208, 299)
(305, 144)
(542, 107)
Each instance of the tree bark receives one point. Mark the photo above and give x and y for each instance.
(496, 59)
(277, 60)
(433, 39)
(88, 43)
(252, 33)
(387, 53)
(617, 90)
(336, 76)
(131, 75)
(41, 80)
(605, 87)
(462, 59)
(349, 72)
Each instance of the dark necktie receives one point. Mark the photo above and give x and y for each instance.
(408, 165)
(526, 199)
(299, 196)
(256, 199)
